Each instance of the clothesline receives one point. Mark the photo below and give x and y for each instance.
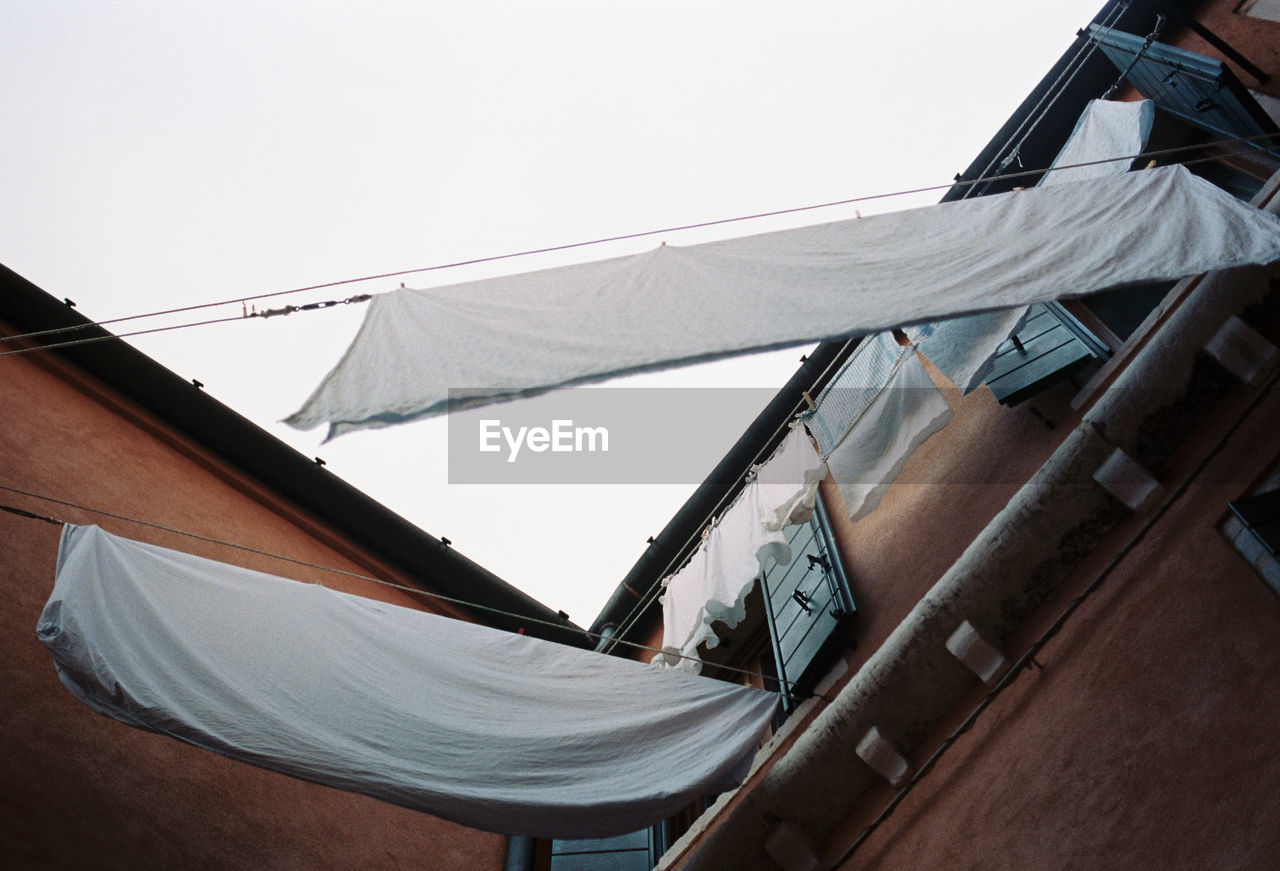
(596, 636)
(686, 549)
(1021, 174)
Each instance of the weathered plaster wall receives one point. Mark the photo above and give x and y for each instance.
(947, 493)
(78, 790)
(1147, 738)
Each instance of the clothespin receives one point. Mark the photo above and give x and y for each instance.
(1151, 164)
(808, 400)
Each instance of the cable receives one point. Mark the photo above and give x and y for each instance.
(1038, 112)
(970, 184)
(684, 551)
(70, 343)
(524, 618)
(1151, 37)
(1045, 637)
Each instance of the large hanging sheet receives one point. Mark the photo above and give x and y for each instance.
(964, 348)
(900, 419)
(500, 338)
(490, 729)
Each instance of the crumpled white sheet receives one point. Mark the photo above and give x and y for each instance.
(902, 417)
(789, 480)
(487, 728)
(484, 341)
(964, 348)
(712, 587)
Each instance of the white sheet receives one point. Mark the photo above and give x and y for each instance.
(964, 349)
(525, 334)
(902, 417)
(487, 728)
(789, 480)
(851, 390)
(712, 587)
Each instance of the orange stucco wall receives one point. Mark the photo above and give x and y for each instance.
(947, 493)
(78, 790)
(1145, 739)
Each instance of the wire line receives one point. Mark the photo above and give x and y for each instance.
(970, 184)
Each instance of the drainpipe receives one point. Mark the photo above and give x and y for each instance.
(1015, 565)
(519, 853)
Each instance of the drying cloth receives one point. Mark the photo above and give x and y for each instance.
(902, 417)
(853, 388)
(788, 481)
(1104, 130)
(713, 586)
(489, 729)
(964, 348)
(483, 341)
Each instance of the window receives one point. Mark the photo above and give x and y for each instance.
(807, 604)
(1198, 103)
(1050, 347)
(1253, 528)
(637, 851)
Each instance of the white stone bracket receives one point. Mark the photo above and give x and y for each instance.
(883, 756)
(978, 654)
(1124, 479)
(1242, 350)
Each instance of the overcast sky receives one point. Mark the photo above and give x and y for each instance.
(161, 154)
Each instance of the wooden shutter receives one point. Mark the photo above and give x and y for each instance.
(807, 601)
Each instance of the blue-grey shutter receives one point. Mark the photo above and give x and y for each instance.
(806, 601)
(636, 851)
(1260, 514)
(1199, 90)
(1050, 347)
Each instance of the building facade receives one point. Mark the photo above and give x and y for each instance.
(1050, 645)
(99, 434)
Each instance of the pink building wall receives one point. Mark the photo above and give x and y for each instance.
(78, 790)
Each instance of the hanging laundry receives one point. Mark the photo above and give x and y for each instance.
(867, 462)
(853, 388)
(422, 352)
(964, 348)
(489, 729)
(788, 481)
(713, 585)
(1105, 129)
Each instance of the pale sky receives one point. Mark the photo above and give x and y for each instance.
(161, 154)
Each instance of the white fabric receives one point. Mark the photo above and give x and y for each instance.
(964, 348)
(788, 481)
(1104, 130)
(902, 417)
(714, 584)
(487, 728)
(853, 388)
(525, 334)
